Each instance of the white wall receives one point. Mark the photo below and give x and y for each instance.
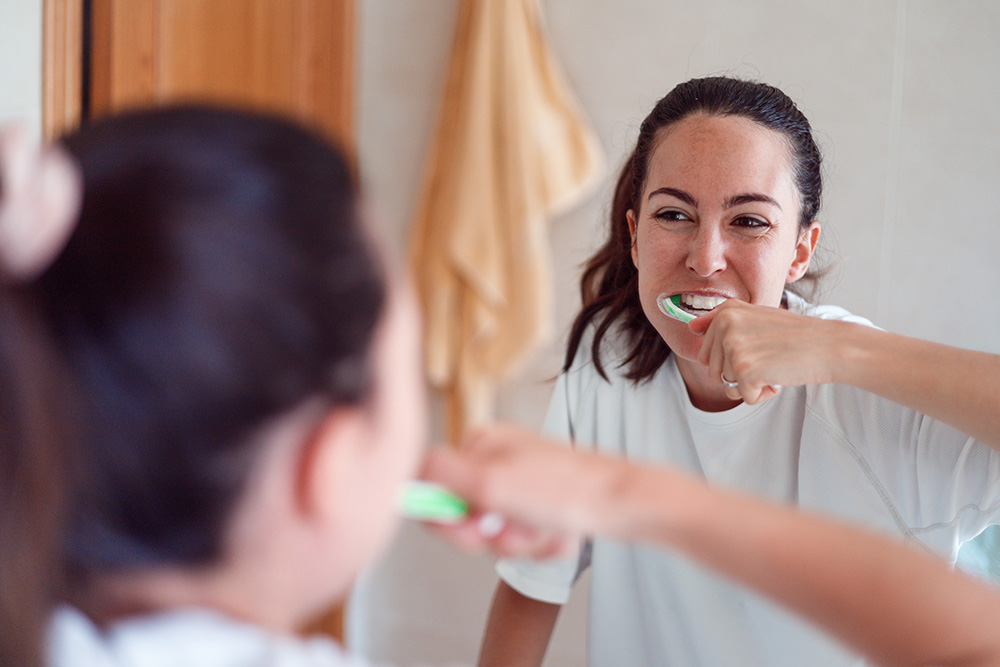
(21, 61)
(904, 97)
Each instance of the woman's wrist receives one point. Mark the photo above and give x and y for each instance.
(647, 504)
(851, 352)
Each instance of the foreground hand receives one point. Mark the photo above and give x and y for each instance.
(545, 491)
(763, 349)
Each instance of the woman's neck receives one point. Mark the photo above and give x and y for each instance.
(113, 598)
(706, 392)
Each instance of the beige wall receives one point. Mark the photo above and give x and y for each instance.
(21, 61)
(904, 98)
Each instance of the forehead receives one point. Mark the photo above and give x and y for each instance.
(715, 157)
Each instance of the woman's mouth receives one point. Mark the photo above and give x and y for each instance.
(699, 304)
(685, 307)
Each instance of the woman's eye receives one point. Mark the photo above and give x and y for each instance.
(671, 215)
(750, 222)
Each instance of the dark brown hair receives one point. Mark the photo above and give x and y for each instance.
(610, 285)
(219, 276)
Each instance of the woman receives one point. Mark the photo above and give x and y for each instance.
(242, 429)
(717, 207)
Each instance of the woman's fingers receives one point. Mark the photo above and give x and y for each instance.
(714, 355)
(516, 540)
(754, 350)
(482, 530)
(502, 472)
(512, 540)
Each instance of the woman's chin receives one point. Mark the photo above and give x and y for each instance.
(686, 354)
(684, 344)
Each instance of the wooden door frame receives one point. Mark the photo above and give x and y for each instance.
(62, 66)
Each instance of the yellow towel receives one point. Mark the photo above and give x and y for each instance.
(510, 146)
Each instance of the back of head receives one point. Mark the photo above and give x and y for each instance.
(219, 276)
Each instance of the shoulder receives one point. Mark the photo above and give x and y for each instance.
(866, 446)
(889, 435)
(850, 408)
(797, 304)
(608, 411)
(582, 376)
(196, 637)
(612, 350)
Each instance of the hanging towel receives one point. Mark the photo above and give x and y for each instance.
(511, 146)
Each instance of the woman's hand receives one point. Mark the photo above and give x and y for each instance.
(548, 494)
(763, 349)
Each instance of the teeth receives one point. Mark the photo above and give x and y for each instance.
(699, 302)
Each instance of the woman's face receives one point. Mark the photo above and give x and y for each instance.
(345, 476)
(718, 219)
(398, 420)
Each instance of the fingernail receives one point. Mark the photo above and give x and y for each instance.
(490, 524)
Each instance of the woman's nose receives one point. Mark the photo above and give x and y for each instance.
(707, 253)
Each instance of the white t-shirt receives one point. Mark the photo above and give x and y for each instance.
(825, 448)
(184, 638)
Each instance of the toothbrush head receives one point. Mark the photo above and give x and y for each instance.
(424, 501)
(671, 307)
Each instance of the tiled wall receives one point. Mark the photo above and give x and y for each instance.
(905, 100)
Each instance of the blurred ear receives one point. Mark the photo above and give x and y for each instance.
(630, 216)
(804, 249)
(327, 466)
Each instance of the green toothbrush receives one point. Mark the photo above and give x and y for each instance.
(671, 307)
(425, 501)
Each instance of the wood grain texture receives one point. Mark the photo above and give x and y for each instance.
(287, 56)
(62, 54)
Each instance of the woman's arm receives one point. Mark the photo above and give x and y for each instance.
(956, 386)
(518, 630)
(887, 600)
(764, 347)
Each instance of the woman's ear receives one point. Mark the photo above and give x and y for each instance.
(630, 216)
(804, 249)
(327, 464)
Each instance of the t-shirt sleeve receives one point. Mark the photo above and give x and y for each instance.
(939, 486)
(953, 490)
(970, 495)
(550, 580)
(943, 485)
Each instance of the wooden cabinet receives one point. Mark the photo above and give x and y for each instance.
(289, 56)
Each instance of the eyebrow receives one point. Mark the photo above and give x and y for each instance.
(751, 197)
(674, 192)
(735, 200)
